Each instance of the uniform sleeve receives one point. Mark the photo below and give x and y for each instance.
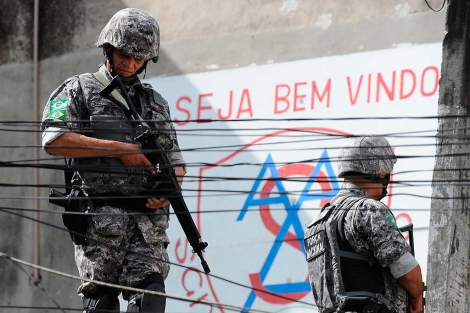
(376, 224)
(64, 111)
(403, 265)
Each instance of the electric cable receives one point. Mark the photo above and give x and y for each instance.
(137, 290)
(205, 212)
(274, 120)
(196, 164)
(154, 258)
(36, 283)
(443, 3)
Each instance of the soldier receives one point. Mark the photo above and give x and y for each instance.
(358, 261)
(74, 128)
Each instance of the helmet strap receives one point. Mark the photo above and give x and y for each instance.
(371, 177)
(385, 181)
(108, 56)
(143, 69)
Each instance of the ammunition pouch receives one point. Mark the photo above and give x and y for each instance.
(77, 224)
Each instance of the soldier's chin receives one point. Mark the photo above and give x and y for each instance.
(125, 73)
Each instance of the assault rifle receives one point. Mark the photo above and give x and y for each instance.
(409, 228)
(165, 182)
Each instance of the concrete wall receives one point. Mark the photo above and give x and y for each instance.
(197, 36)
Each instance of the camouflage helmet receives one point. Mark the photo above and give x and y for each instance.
(367, 155)
(133, 32)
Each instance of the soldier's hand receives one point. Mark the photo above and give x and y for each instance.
(155, 203)
(415, 306)
(131, 155)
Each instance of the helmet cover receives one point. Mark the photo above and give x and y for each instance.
(133, 32)
(368, 154)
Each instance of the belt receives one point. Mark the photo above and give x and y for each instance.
(119, 201)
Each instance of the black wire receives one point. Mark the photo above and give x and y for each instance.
(443, 3)
(22, 307)
(20, 163)
(224, 306)
(36, 282)
(218, 148)
(205, 212)
(274, 120)
(225, 192)
(154, 258)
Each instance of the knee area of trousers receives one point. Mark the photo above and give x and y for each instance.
(144, 302)
(153, 303)
(106, 303)
(155, 278)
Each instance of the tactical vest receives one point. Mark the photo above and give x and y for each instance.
(339, 277)
(110, 121)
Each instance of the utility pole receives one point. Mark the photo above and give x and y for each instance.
(448, 276)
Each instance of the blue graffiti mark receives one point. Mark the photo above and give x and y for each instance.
(292, 218)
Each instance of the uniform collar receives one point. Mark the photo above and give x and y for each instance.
(350, 187)
(103, 70)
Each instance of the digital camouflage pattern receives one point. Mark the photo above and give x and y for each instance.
(84, 102)
(144, 234)
(370, 232)
(134, 32)
(367, 155)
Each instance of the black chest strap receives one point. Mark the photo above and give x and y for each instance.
(335, 202)
(344, 244)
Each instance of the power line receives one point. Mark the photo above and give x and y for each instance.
(443, 3)
(154, 258)
(137, 290)
(36, 283)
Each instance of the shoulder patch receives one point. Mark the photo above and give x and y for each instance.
(393, 221)
(58, 109)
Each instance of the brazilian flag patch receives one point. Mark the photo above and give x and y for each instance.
(58, 109)
(393, 221)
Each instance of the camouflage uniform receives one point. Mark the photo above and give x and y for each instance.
(370, 230)
(69, 109)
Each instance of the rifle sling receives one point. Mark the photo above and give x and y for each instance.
(117, 95)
